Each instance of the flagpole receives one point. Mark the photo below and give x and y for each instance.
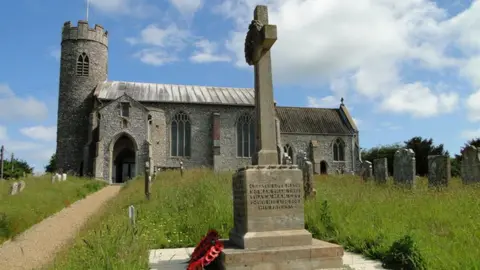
(88, 6)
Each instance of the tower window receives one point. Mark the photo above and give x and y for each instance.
(83, 64)
(125, 109)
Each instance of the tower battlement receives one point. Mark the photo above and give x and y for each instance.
(83, 31)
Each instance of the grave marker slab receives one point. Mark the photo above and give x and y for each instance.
(439, 171)
(14, 188)
(404, 170)
(380, 168)
(470, 167)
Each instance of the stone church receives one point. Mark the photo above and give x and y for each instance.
(109, 129)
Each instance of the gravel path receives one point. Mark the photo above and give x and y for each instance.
(37, 246)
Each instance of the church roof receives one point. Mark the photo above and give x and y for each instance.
(312, 121)
(170, 93)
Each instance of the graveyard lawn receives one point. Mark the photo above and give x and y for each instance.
(433, 229)
(39, 199)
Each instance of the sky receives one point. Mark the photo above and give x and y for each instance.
(405, 68)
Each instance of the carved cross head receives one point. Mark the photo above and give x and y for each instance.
(260, 36)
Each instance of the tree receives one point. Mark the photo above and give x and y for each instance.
(52, 164)
(384, 151)
(423, 148)
(457, 161)
(14, 169)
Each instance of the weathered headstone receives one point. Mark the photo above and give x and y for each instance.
(131, 215)
(380, 168)
(404, 169)
(54, 178)
(269, 227)
(366, 170)
(64, 177)
(470, 168)
(439, 171)
(147, 180)
(308, 181)
(21, 185)
(14, 188)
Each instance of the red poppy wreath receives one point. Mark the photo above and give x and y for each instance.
(208, 253)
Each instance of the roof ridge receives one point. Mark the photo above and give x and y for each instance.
(173, 84)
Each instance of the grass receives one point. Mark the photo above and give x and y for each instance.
(38, 200)
(420, 229)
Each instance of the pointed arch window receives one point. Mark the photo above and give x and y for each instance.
(245, 136)
(339, 150)
(180, 135)
(289, 150)
(83, 64)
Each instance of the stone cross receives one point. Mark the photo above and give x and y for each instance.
(260, 38)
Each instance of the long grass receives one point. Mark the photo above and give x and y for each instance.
(38, 200)
(420, 229)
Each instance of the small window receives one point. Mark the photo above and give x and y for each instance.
(124, 123)
(339, 150)
(83, 64)
(125, 109)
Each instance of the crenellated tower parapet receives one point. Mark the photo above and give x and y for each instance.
(83, 31)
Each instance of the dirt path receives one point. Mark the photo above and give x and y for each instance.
(38, 245)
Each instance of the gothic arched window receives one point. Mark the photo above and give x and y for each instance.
(180, 135)
(245, 136)
(339, 150)
(289, 150)
(83, 64)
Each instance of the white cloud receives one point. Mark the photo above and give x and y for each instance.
(470, 134)
(162, 44)
(364, 44)
(207, 52)
(357, 121)
(473, 106)
(419, 101)
(32, 152)
(40, 133)
(324, 102)
(137, 8)
(187, 7)
(55, 53)
(13, 107)
(390, 126)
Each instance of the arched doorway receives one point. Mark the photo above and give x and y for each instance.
(123, 159)
(323, 167)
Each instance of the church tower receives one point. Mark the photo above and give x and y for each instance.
(83, 65)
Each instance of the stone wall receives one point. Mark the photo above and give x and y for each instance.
(112, 128)
(201, 119)
(75, 92)
(324, 150)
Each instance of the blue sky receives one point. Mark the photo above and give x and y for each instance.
(405, 68)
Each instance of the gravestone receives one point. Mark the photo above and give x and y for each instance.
(308, 181)
(268, 198)
(14, 188)
(470, 168)
(64, 177)
(147, 180)
(439, 171)
(366, 170)
(404, 169)
(21, 185)
(380, 168)
(131, 214)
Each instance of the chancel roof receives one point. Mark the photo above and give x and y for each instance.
(299, 120)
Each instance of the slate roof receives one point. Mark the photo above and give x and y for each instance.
(169, 93)
(312, 121)
(298, 120)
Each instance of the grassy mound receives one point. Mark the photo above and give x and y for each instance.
(419, 229)
(38, 200)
